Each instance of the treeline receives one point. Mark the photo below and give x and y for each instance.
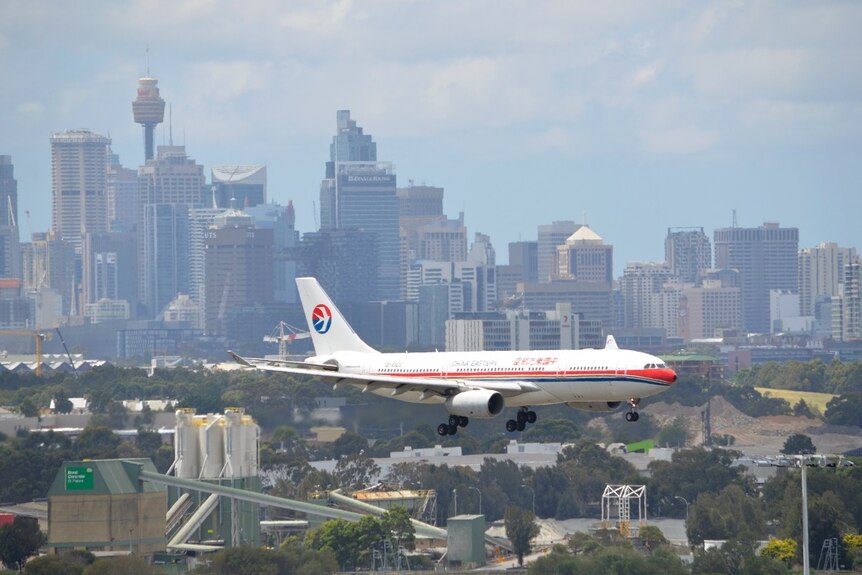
(834, 377)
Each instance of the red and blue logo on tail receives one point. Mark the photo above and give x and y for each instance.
(321, 318)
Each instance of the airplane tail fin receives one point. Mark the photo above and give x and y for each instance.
(329, 329)
(611, 343)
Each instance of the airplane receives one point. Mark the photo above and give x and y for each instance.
(477, 384)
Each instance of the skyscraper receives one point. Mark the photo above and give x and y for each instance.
(149, 111)
(10, 253)
(79, 162)
(821, 272)
(238, 268)
(585, 257)
(688, 252)
(239, 186)
(551, 236)
(359, 193)
(766, 258)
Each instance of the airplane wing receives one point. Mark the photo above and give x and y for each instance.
(430, 387)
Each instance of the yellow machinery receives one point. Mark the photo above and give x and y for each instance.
(38, 336)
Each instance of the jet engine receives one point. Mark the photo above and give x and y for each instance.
(481, 403)
(595, 405)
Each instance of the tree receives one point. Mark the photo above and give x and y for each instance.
(783, 550)
(356, 471)
(844, 409)
(675, 434)
(240, 561)
(802, 409)
(28, 407)
(798, 444)
(725, 515)
(127, 565)
(520, 529)
(72, 563)
(396, 522)
(652, 537)
(19, 540)
(62, 403)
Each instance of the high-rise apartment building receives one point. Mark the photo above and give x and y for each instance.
(706, 310)
(766, 258)
(551, 236)
(238, 186)
(200, 222)
(851, 302)
(688, 252)
(110, 268)
(645, 299)
(79, 168)
(10, 252)
(821, 273)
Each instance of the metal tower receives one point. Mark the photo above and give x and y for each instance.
(149, 110)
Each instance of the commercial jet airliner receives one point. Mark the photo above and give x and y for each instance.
(476, 384)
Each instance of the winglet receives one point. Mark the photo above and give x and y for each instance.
(239, 359)
(611, 343)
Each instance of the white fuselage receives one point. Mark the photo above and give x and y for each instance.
(561, 376)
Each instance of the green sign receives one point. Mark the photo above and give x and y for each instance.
(79, 478)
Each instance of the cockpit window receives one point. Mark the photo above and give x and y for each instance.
(663, 365)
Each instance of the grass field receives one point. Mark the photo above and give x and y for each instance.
(816, 401)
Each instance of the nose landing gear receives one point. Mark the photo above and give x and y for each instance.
(632, 415)
(524, 416)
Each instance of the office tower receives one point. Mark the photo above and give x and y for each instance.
(585, 257)
(148, 110)
(282, 221)
(551, 236)
(440, 239)
(10, 252)
(79, 167)
(110, 268)
(821, 272)
(165, 252)
(688, 252)
(766, 258)
(238, 270)
(200, 222)
(49, 265)
(171, 179)
(343, 261)
(523, 267)
(238, 186)
(122, 196)
(423, 203)
(645, 299)
(359, 193)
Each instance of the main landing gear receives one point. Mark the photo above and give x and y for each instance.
(632, 415)
(524, 416)
(451, 428)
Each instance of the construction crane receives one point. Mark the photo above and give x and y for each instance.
(283, 334)
(69, 355)
(38, 337)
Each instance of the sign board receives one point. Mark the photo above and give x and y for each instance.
(79, 478)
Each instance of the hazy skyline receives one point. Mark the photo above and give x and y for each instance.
(638, 116)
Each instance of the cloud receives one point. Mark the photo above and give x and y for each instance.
(644, 75)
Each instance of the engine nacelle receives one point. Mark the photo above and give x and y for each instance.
(595, 405)
(480, 403)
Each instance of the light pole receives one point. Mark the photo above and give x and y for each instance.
(534, 497)
(480, 497)
(684, 500)
(131, 530)
(455, 498)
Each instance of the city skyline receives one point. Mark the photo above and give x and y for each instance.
(678, 113)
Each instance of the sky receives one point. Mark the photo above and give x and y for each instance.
(630, 116)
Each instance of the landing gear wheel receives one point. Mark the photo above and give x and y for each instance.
(511, 425)
(531, 417)
(442, 429)
(521, 425)
(463, 421)
(452, 429)
(521, 417)
(632, 416)
(453, 420)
